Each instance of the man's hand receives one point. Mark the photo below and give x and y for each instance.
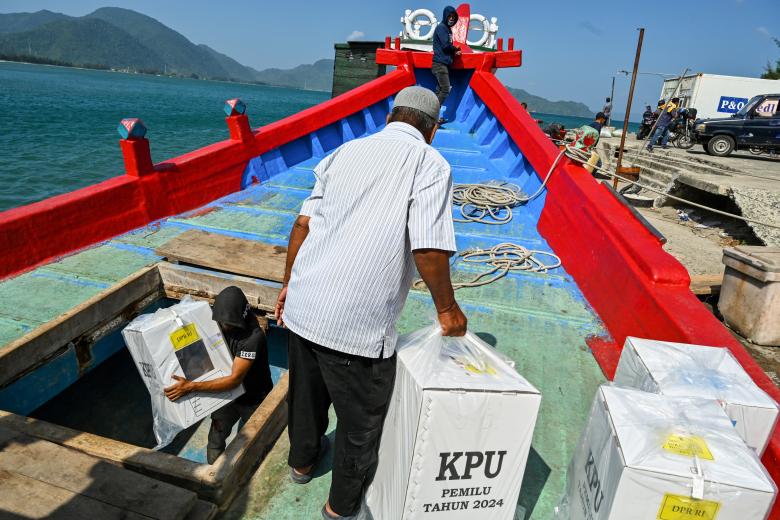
(458, 52)
(434, 268)
(179, 389)
(279, 310)
(452, 320)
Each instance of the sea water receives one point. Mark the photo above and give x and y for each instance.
(58, 125)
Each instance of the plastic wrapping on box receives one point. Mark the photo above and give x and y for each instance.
(457, 434)
(654, 457)
(180, 340)
(680, 369)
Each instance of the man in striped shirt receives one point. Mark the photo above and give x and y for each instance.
(380, 206)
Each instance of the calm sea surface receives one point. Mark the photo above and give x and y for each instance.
(58, 125)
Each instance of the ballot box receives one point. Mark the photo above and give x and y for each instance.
(457, 434)
(179, 340)
(681, 369)
(646, 456)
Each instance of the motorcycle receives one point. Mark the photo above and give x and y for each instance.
(682, 128)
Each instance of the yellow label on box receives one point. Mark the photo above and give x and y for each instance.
(678, 507)
(488, 370)
(687, 446)
(184, 336)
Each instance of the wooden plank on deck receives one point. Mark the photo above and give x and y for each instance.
(226, 253)
(25, 497)
(88, 479)
(179, 280)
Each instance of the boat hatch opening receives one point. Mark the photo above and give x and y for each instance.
(88, 395)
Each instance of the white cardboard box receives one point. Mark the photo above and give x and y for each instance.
(680, 369)
(456, 438)
(185, 341)
(635, 461)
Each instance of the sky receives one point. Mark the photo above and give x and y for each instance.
(571, 49)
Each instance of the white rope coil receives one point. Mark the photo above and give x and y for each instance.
(485, 203)
(502, 259)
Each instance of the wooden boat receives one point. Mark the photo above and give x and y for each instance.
(77, 266)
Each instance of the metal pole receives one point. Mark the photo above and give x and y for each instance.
(628, 105)
(611, 100)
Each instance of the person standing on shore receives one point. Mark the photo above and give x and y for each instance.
(443, 52)
(607, 110)
(381, 205)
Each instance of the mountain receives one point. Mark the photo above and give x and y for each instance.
(180, 55)
(19, 22)
(561, 108)
(82, 42)
(317, 76)
(233, 68)
(112, 37)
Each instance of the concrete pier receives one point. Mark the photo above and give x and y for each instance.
(751, 182)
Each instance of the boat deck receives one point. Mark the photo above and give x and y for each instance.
(540, 320)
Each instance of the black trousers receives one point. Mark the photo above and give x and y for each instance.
(441, 73)
(359, 389)
(222, 422)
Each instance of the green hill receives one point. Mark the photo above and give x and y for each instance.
(20, 22)
(317, 76)
(179, 55)
(562, 108)
(82, 42)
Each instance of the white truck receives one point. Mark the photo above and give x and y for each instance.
(717, 96)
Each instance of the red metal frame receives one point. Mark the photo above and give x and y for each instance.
(632, 283)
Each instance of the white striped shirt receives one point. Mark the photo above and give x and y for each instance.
(375, 201)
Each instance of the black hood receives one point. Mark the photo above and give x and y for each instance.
(231, 307)
(447, 12)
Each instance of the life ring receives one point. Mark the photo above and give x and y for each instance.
(485, 23)
(413, 25)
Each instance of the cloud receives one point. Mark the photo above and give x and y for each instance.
(763, 31)
(355, 35)
(592, 29)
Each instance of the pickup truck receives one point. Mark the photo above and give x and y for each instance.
(756, 127)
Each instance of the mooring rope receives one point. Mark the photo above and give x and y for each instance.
(484, 202)
(478, 201)
(502, 259)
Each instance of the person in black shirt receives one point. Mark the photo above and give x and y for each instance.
(598, 122)
(247, 344)
(444, 50)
